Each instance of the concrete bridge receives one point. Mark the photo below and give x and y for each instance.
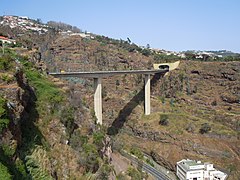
(98, 75)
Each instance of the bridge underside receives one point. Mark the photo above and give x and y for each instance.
(98, 97)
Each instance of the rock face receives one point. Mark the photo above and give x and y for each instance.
(151, 135)
(19, 99)
(78, 54)
(162, 161)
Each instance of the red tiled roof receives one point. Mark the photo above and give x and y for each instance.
(4, 38)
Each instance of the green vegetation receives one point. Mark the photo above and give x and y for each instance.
(4, 121)
(4, 173)
(67, 119)
(121, 176)
(90, 148)
(20, 167)
(46, 91)
(89, 158)
(127, 45)
(149, 162)
(77, 140)
(36, 164)
(135, 174)
(164, 120)
(98, 138)
(104, 172)
(161, 58)
(136, 152)
(8, 150)
(6, 77)
(205, 128)
(42, 101)
(231, 168)
(6, 62)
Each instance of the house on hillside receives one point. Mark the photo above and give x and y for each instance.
(6, 40)
(196, 170)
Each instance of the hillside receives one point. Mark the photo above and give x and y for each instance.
(198, 95)
(195, 109)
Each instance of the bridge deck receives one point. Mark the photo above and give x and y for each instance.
(97, 74)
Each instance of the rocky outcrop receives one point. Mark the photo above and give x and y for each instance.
(162, 161)
(20, 99)
(158, 136)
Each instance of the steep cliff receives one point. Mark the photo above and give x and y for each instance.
(43, 136)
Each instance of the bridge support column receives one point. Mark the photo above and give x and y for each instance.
(147, 94)
(98, 99)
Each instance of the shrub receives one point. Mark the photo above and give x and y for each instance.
(21, 168)
(4, 121)
(77, 140)
(3, 124)
(190, 128)
(134, 173)
(121, 176)
(7, 78)
(6, 62)
(67, 119)
(37, 164)
(8, 150)
(150, 162)
(98, 138)
(164, 120)
(172, 103)
(89, 158)
(146, 52)
(4, 174)
(104, 172)
(205, 128)
(136, 152)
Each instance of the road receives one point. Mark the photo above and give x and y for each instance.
(97, 74)
(146, 167)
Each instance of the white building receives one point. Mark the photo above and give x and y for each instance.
(6, 40)
(196, 170)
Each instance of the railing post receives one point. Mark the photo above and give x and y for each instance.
(98, 99)
(147, 94)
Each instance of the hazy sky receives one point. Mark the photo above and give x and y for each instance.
(166, 24)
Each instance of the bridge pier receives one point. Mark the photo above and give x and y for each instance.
(98, 99)
(147, 94)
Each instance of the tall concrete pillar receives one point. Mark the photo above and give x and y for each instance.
(147, 94)
(98, 99)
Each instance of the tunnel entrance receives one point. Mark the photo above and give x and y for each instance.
(164, 67)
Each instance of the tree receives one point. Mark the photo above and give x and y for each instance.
(146, 52)
(39, 21)
(164, 120)
(205, 128)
